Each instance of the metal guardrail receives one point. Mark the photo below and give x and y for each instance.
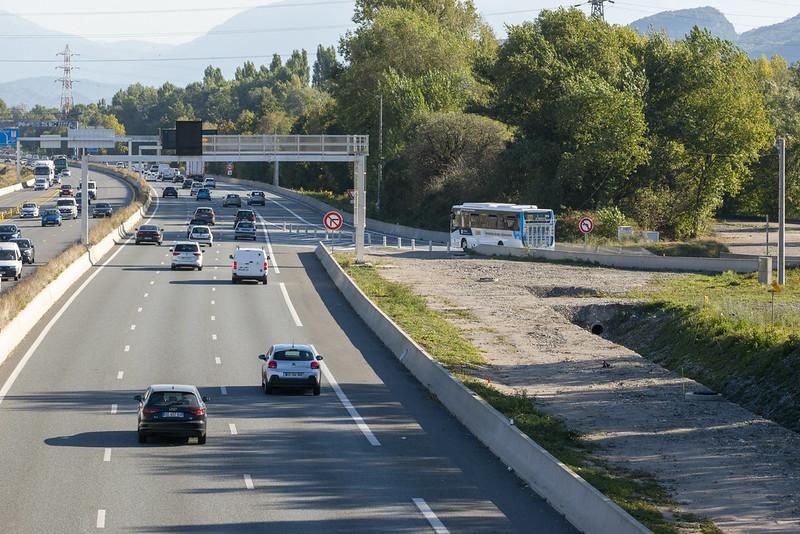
(331, 145)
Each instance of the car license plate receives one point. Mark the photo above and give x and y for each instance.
(292, 374)
(172, 414)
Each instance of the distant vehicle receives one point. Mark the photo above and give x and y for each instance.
(250, 264)
(244, 215)
(257, 198)
(210, 182)
(91, 186)
(172, 410)
(51, 217)
(29, 209)
(195, 222)
(187, 254)
(9, 232)
(67, 207)
(102, 209)
(176, 177)
(44, 169)
(149, 233)
(204, 194)
(170, 192)
(232, 199)
(505, 225)
(120, 164)
(166, 172)
(41, 183)
(196, 186)
(10, 261)
(202, 234)
(245, 230)
(206, 214)
(60, 164)
(66, 190)
(154, 168)
(291, 366)
(187, 183)
(26, 248)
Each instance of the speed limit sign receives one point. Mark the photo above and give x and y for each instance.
(586, 225)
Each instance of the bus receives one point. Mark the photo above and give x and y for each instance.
(60, 164)
(505, 225)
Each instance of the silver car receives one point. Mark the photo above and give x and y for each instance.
(29, 209)
(186, 254)
(291, 366)
(202, 235)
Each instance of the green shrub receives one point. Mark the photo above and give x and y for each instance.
(607, 220)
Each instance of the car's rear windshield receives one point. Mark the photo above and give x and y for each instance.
(6, 254)
(197, 221)
(233, 196)
(200, 230)
(246, 224)
(65, 187)
(23, 243)
(203, 210)
(167, 399)
(51, 212)
(148, 228)
(244, 213)
(256, 194)
(186, 248)
(293, 355)
(102, 205)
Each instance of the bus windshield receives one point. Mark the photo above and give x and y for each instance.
(41, 171)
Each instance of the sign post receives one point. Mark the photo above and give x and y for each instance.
(586, 225)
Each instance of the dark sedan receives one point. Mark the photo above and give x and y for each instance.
(256, 198)
(172, 410)
(26, 248)
(149, 233)
(170, 192)
(9, 232)
(102, 209)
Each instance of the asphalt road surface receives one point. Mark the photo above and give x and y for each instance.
(374, 454)
(51, 241)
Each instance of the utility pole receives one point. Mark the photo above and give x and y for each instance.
(66, 81)
(781, 146)
(380, 156)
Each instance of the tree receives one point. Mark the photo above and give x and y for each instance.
(325, 68)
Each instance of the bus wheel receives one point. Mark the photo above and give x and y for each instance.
(464, 244)
(499, 243)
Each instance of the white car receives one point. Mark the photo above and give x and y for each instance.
(196, 186)
(66, 172)
(210, 183)
(29, 209)
(10, 261)
(202, 235)
(67, 207)
(291, 366)
(187, 254)
(250, 264)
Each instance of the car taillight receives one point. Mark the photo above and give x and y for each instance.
(197, 253)
(176, 253)
(198, 411)
(150, 411)
(315, 365)
(234, 265)
(265, 266)
(272, 365)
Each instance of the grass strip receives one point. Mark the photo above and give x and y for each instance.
(636, 492)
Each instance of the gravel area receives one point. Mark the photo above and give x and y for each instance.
(720, 460)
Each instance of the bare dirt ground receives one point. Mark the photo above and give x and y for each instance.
(719, 460)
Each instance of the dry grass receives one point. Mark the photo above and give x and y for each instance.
(8, 174)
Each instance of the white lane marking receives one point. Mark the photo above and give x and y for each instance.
(158, 272)
(114, 409)
(162, 263)
(101, 519)
(213, 317)
(213, 337)
(216, 267)
(139, 310)
(218, 360)
(437, 526)
(248, 482)
(107, 455)
(133, 327)
(218, 252)
(127, 348)
(152, 282)
(290, 211)
(272, 261)
(223, 390)
(289, 304)
(212, 302)
(120, 375)
(46, 330)
(213, 289)
(233, 430)
(350, 408)
(146, 295)
(215, 278)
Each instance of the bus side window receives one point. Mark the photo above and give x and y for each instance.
(511, 223)
(474, 220)
(491, 222)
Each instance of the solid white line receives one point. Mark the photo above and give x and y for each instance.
(248, 482)
(46, 330)
(107, 455)
(350, 408)
(218, 360)
(289, 304)
(213, 337)
(223, 390)
(133, 327)
(101, 519)
(434, 521)
(120, 375)
(233, 430)
(290, 211)
(114, 409)
(272, 261)
(127, 348)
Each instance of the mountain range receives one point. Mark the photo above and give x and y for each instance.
(257, 33)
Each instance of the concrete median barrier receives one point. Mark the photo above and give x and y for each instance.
(584, 507)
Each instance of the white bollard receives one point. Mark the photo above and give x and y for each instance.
(448, 246)
(369, 240)
(384, 241)
(430, 246)
(413, 244)
(399, 242)
(284, 226)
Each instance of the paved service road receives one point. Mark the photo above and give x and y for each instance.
(287, 462)
(52, 240)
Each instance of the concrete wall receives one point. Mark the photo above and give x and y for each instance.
(631, 261)
(16, 187)
(586, 508)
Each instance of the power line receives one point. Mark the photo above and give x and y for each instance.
(152, 59)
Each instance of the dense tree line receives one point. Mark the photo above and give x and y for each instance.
(569, 112)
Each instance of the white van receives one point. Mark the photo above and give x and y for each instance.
(92, 187)
(10, 261)
(67, 207)
(249, 264)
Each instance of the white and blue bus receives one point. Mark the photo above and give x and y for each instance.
(505, 225)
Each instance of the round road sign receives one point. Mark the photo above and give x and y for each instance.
(333, 220)
(586, 225)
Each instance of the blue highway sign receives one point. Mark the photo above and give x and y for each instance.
(8, 136)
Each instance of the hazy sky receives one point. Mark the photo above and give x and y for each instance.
(189, 15)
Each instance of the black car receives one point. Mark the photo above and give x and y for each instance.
(245, 215)
(9, 232)
(26, 248)
(257, 198)
(149, 233)
(170, 192)
(102, 209)
(187, 183)
(172, 410)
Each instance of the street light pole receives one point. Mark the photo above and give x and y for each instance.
(781, 210)
(380, 156)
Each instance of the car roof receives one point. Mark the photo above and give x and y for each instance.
(193, 243)
(249, 250)
(301, 346)
(174, 387)
(9, 245)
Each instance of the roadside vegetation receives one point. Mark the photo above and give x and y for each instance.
(636, 492)
(8, 174)
(339, 201)
(721, 331)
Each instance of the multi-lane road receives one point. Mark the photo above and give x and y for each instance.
(374, 452)
(52, 240)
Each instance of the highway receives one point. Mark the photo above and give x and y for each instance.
(52, 240)
(374, 454)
